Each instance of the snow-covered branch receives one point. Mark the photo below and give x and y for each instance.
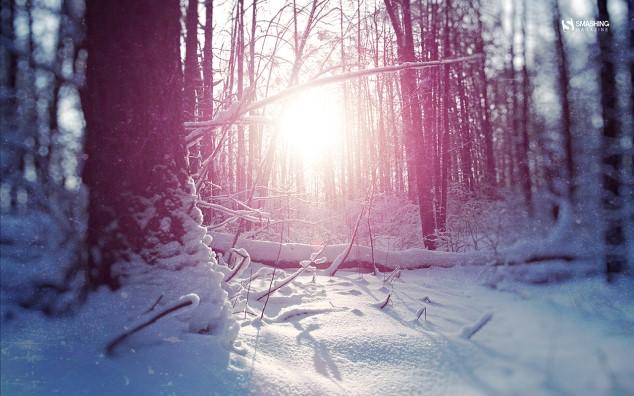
(236, 112)
(305, 264)
(250, 214)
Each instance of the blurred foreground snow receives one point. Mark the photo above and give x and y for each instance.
(322, 335)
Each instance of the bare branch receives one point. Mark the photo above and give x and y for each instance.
(331, 80)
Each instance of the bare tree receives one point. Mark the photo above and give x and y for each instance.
(191, 69)
(135, 148)
(564, 94)
(612, 162)
(418, 146)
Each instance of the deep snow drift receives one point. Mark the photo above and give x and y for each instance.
(328, 335)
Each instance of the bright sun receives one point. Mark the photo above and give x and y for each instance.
(312, 123)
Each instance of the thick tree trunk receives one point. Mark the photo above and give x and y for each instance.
(11, 159)
(134, 144)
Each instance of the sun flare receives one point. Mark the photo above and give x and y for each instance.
(312, 123)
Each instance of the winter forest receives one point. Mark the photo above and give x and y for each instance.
(316, 197)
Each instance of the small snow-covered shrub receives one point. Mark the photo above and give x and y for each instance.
(180, 268)
(483, 223)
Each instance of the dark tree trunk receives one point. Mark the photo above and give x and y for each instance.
(487, 131)
(134, 145)
(407, 81)
(10, 64)
(612, 158)
(511, 148)
(191, 69)
(254, 130)
(446, 99)
(420, 148)
(9, 166)
(207, 104)
(523, 143)
(566, 116)
(519, 138)
(205, 147)
(241, 154)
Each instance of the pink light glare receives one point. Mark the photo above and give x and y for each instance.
(312, 124)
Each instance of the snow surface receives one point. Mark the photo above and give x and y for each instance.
(323, 335)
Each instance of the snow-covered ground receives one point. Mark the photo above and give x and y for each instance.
(326, 335)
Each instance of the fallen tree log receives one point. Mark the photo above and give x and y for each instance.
(265, 252)
(559, 244)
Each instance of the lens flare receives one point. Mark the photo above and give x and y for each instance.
(312, 124)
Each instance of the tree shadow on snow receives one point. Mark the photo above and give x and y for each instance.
(323, 361)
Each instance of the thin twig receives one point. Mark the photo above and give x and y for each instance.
(154, 305)
(268, 294)
(387, 300)
(420, 312)
(246, 305)
(277, 259)
(290, 278)
(351, 244)
(114, 343)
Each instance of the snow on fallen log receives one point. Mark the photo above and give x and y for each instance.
(265, 252)
(559, 244)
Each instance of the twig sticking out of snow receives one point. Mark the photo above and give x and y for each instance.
(387, 300)
(268, 294)
(341, 258)
(277, 259)
(304, 263)
(246, 304)
(158, 300)
(374, 269)
(421, 311)
(261, 273)
(393, 275)
(469, 331)
(242, 265)
(185, 301)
